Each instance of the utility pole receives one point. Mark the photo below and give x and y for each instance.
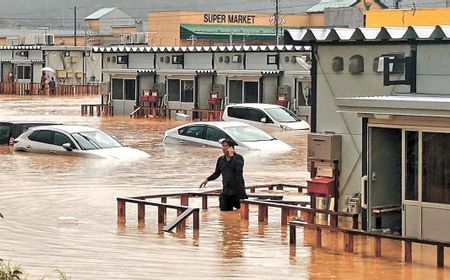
(276, 20)
(75, 25)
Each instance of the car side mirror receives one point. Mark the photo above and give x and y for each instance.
(263, 120)
(67, 146)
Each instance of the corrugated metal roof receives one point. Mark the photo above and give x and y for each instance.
(324, 4)
(394, 34)
(20, 47)
(144, 49)
(100, 13)
(206, 72)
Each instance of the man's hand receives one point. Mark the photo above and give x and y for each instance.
(230, 151)
(203, 184)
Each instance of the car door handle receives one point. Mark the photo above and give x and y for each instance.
(53, 151)
(181, 141)
(28, 146)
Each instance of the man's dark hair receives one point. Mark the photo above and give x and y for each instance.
(229, 142)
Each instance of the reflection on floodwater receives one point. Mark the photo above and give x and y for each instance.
(41, 196)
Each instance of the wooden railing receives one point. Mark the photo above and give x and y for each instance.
(164, 113)
(348, 243)
(179, 222)
(97, 110)
(15, 88)
(182, 212)
(290, 209)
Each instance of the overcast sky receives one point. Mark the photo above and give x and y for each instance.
(59, 13)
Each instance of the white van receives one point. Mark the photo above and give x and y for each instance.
(268, 117)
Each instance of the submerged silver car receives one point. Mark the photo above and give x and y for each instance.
(209, 133)
(74, 140)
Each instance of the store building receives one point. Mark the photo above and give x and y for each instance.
(184, 28)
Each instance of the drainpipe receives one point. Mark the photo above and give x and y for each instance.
(313, 89)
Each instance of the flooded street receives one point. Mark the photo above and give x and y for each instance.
(37, 190)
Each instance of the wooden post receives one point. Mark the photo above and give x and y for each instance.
(348, 242)
(440, 255)
(284, 215)
(205, 201)
(161, 214)
(121, 212)
(252, 190)
(408, 251)
(184, 199)
(355, 222)
(262, 213)
(377, 246)
(292, 234)
(270, 188)
(196, 220)
(141, 214)
(333, 221)
(162, 211)
(318, 237)
(244, 211)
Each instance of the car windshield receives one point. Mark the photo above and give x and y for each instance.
(282, 115)
(91, 140)
(248, 134)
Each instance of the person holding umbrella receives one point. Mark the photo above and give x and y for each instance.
(43, 81)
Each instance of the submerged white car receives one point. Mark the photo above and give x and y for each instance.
(74, 140)
(268, 117)
(209, 133)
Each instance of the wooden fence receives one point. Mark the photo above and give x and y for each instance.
(14, 88)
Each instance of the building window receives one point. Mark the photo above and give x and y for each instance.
(181, 90)
(23, 72)
(435, 167)
(124, 89)
(243, 91)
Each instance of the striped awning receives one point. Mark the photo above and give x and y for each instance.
(382, 34)
(206, 72)
(272, 73)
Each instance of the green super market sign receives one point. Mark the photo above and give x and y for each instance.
(222, 18)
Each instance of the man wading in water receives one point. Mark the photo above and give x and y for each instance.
(230, 165)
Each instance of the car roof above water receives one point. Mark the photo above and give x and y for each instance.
(67, 128)
(255, 105)
(220, 124)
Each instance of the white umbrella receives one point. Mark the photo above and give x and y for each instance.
(48, 69)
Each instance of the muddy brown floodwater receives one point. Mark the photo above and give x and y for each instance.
(37, 191)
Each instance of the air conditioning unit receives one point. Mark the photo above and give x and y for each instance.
(49, 39)
(22, 53)
(177, 59)
(125, 39)
(13, 40)
(380, 66)
(236, 58)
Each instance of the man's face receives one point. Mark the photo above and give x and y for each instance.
(225, 147)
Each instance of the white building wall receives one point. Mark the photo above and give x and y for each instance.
(331, 85)
(140, 60)
(433, 71)
(198, 61)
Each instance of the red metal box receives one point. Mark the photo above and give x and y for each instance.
(281, 102)
(321, 186)
(213, 101)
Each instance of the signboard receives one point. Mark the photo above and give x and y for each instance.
(231, 18)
